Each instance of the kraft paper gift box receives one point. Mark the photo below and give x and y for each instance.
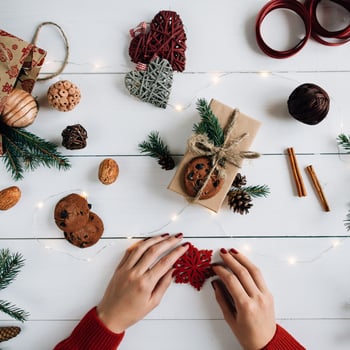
(243, 124)
(20, 63)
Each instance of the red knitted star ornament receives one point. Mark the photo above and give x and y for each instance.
(193, 267)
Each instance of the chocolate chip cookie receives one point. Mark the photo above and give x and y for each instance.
(195, 175)
(87, 235)
(71, 212)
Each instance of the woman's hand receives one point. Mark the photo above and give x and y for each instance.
(245, 300)
(140, 281)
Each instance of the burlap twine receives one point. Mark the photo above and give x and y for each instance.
(34, 40)
(200, 144)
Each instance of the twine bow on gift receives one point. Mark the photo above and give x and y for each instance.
(200, 144)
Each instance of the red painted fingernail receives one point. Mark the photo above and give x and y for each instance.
(178, 235)
(165, 235)
(185, 244)
(145, 239)
(234, 251)
(223, 251)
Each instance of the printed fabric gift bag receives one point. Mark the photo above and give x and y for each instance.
(20, 63)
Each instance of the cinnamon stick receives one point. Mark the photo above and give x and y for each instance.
(318, 188)
(296, 173)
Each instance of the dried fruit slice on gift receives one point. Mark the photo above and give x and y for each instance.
(215, 152)
(193, 267)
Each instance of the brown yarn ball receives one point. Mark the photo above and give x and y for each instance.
(18, 109)
(74, 137)
(308, 103)
(63, 95)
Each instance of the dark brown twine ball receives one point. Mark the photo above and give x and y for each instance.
(308, 103)
(74, 137)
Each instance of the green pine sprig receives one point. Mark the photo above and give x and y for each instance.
(13, 311)
(209, 124)
(154, 147)
(257, 190)
(26, 151)
(344, 141)
(10, 265)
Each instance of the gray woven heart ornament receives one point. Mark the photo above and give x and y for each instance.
(151, 83)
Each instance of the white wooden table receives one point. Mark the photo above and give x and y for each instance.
(302, 250)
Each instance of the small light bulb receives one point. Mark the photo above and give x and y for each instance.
(335, 244)
(179, 108)
(292, 260)
(84, 194)
(264, 73)
(174, 217)
(215, 79)
(40, 205)
(247, 248)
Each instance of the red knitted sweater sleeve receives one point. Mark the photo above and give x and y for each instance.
(92, 334)
(283, 340)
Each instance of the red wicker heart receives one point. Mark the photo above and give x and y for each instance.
(166, 38)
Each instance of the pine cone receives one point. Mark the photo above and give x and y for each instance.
(166, 162)
(239, 201)
(239, 181)
(7, 333)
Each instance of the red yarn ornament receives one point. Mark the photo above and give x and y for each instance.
(166, 38)
(193, 267)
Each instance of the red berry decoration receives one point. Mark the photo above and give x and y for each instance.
(193, 267)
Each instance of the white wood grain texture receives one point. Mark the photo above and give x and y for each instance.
(52, 287)
(55, 280)
(139, 203)
(220, 35)
(110, 115)
(312, 296)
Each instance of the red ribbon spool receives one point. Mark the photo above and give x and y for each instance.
(292, 5)
(319, 33)
(313, 28)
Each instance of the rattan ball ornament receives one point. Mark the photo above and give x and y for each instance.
(19, 109)
(63, 95)
(308, 103)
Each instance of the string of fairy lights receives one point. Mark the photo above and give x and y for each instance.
(214, 79)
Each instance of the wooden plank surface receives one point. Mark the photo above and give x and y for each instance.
(302, 250)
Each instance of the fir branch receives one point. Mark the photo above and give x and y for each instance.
(209, 124)
(257, 190)
(13, 311)
(10, 265)
(154, 146)
(344, 141)
(24, 150)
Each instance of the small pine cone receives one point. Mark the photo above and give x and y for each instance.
(166, 162)
(239, 181)
(239, 201)
(7, 333)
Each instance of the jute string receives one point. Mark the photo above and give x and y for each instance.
(34, 40)
(65, 39)
(200, 144)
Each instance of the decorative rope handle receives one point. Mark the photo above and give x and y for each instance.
(65, 61)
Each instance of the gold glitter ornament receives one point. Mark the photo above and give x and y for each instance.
(63, 95)
(19, 109)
